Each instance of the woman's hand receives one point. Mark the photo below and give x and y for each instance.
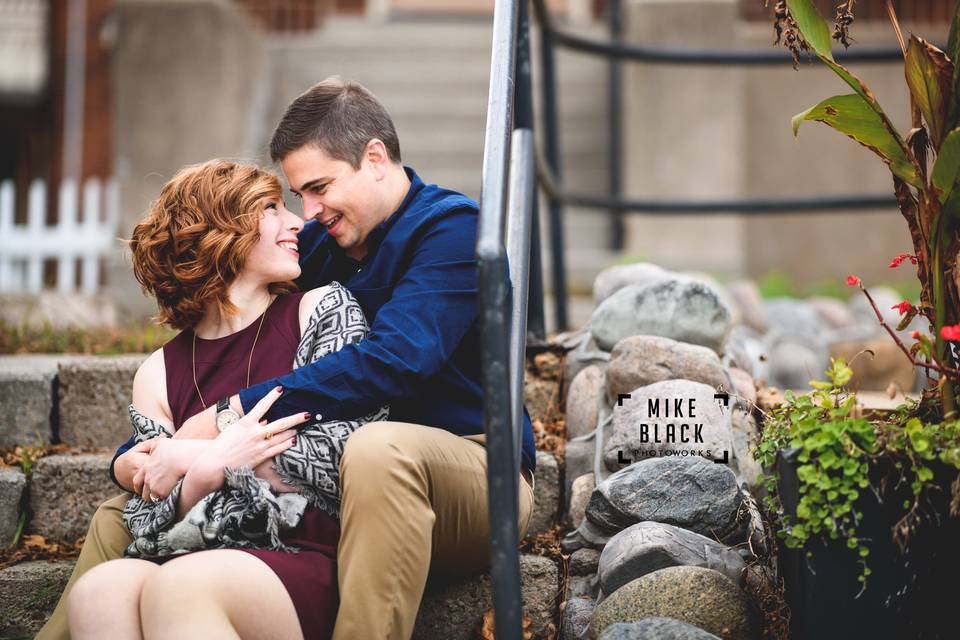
(169, 461)
(248, 442)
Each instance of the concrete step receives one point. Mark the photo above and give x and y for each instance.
(449, 610)
(64, 491)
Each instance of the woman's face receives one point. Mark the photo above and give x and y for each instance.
(275, 258)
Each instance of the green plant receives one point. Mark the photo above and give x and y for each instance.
(836, 445)
(925, 164)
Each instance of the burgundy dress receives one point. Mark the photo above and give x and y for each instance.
(310, 576)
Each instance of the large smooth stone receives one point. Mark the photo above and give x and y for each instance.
(792, 317)
(701, 597)
(642, 423)
(684, 310)
(638, 361)
(655, 629)
(650, 546)
(746, 295)
(614, 278)
(583, 401)
(692, 493)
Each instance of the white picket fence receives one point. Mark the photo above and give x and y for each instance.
(82, 237)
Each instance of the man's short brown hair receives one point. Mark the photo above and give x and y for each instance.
(338, 117)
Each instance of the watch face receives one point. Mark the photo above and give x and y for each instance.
(226, 418)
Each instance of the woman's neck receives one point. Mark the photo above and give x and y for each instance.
(251, 302)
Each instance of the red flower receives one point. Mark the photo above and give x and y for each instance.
(853, 280)
(903, 307)
(915, 335)
(950, 332)
(896, 262)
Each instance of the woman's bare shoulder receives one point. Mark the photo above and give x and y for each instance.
(150, 388)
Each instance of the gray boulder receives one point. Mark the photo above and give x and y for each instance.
(832, 312)
(655, 629)
(744, 388)
(586, 353)
(580, 492)
(583, 401)
(746, 436)
(746, 296)
(578, 459)
(794, 362)
(638, 361)
(612, 279)
(885, 298)
(650, 546)
(546, 494)
(792, 317)
(576, 617)
(584, 562)
(692, 493)
(673, 417)
(700, 597)
(745, 349)
(685, 310)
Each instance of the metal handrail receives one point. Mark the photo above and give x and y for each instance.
(507, 197)
(548, 166)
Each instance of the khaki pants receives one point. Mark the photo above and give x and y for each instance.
(414, 502)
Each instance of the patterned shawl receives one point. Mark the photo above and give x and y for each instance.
(246, 512)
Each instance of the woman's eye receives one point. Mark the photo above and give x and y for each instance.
(270, 205)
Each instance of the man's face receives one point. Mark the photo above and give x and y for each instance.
(343, 199)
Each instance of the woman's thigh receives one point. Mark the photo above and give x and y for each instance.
(234, 586)
(112, 588)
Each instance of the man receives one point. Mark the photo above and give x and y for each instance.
(414, 489)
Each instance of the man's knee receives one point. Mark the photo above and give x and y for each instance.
(381, 458)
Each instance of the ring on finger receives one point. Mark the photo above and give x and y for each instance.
(154, 498)
(268, 435)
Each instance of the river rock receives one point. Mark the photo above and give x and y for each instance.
(833, 313)
(701, 597)
(885, 298)
(583, 401)
(655, 629)
(576, 617)
(746, 295)
(706, 420)
(585, 354)
(692, 493)
(746, 436)
(580, 492)
(578, 459)
(638, 361)
(792, 317)
(584, 562)
(745, 350)
(876, 372)
(744, 388)
(614, 278)
(649, 546)
(685, 310)
(794, 362)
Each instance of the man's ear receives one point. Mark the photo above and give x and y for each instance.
(377, 157)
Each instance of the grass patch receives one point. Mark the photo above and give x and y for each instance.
(142, 337)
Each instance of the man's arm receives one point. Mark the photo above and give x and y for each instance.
(414, 334)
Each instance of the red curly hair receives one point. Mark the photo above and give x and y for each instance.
(196, 236)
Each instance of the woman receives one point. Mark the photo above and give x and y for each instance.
(218, 250)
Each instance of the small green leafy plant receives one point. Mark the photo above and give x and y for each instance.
(836, 445)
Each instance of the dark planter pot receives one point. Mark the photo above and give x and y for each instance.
(909, 595)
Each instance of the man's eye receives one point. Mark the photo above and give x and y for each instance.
(320, 188)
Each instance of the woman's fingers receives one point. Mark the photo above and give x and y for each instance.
(138, 480)
(283, 424)
(278, 448)
(260, 409)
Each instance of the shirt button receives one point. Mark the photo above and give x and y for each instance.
(319, 416)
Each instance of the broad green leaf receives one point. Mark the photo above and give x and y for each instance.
(953, 42)
(812, 26)
(947, 166)
(929, 75)
(951, 211)
(851, 116)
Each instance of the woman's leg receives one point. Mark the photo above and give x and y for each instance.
(106, 540)
(105, 602)
(217, 594)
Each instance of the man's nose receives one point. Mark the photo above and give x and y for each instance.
(312, 209)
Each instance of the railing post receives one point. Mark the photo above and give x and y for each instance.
(615, 124)
(503, 474)
(551, 149)
(523, 119)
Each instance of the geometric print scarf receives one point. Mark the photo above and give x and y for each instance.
(246, 512)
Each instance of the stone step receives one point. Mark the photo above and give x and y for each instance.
(65, 491)
(80, 401)
(449, 611)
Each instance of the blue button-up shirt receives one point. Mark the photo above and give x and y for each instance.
(417, 287)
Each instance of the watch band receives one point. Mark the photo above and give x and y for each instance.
(223, 404)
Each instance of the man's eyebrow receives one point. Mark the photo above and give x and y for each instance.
(311, 183)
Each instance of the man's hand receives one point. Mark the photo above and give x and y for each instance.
(203, 426)
(167, 463)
